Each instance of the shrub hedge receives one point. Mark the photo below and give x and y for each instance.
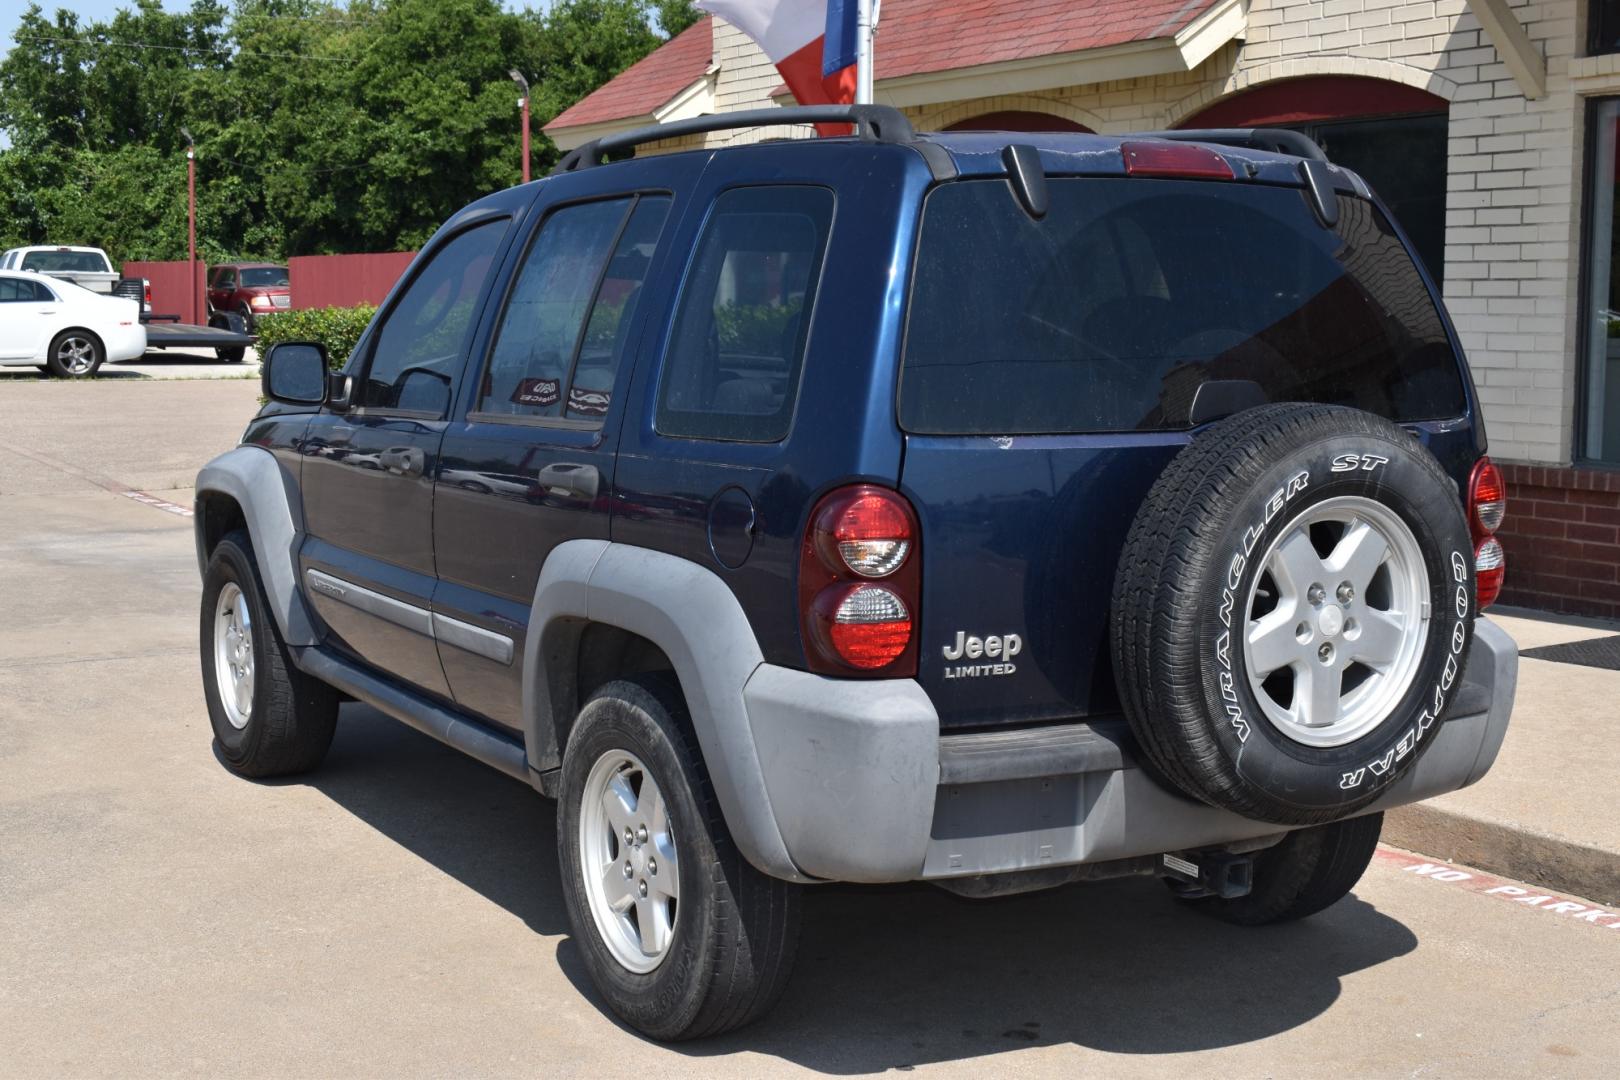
(337, 328)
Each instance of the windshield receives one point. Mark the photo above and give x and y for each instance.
(66, 262)
(1112, 311)
(264, 277)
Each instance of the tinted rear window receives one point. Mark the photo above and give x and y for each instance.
(1112, 311)
(66, 262)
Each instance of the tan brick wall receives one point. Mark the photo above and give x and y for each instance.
(1513, 246)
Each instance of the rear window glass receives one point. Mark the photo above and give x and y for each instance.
(264, 277)
(1112, 311)
(66, 262)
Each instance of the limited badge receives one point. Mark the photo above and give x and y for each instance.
(539, 393)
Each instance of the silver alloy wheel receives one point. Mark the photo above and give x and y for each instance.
(76, 354)
(1340, 636)
(233, 655)
(628, 858)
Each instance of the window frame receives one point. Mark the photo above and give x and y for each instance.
(379, 321)
(563, 422)
(813, 286)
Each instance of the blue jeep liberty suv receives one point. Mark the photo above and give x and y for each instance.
(992, 510)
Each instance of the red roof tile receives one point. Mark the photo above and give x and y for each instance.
(918, 36)
(915, 37)
(649, 82)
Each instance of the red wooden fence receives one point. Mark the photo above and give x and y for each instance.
(168, 280)
(345, 280)
(317, 281)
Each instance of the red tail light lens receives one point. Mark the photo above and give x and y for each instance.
(1487, 496)
(1174, 159)
(1487, 507)
(857, 537)
(1490, 570)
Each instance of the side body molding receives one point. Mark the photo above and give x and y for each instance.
(253, 477)
(689, 613)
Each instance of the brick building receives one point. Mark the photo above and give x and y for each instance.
(1489, 126)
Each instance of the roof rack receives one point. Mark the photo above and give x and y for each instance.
(873, 123)
(1276, 140)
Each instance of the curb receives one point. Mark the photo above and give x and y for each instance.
(1507, 850)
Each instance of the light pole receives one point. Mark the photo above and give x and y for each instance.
(191, 221)
(523, 103)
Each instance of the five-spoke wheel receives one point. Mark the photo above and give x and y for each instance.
(626, 838)
(1337, 621)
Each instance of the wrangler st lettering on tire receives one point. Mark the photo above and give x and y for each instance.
(1293, 611)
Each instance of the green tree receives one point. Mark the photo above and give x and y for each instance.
(320, 125)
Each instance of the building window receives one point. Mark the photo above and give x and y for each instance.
(1600, 430)
(1604, 21)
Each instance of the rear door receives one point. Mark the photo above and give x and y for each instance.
(530, 463)
(1052, 368)
(368, 472)
(222, 293)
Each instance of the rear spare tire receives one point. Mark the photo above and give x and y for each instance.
(1293, 612)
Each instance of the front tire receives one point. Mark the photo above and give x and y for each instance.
(269, 718)
(1307, 871)
(680, 934)
(75, 354)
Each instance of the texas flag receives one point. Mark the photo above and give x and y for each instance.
(811, 42)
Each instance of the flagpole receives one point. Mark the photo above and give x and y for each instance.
(863, 52)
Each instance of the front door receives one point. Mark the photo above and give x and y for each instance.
(368, 472)
(531, 464)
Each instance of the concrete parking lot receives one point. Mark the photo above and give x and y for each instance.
(398, 913)
(157, 364)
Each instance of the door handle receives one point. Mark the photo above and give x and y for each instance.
(566, 478)
(403, 461)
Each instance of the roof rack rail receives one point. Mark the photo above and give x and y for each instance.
(873, 123)
(1277, 140)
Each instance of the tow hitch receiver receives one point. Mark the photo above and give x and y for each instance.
(1212, 874)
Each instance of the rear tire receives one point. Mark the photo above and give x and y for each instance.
(720, 936)
(269, 718)
(75, 354)
(1309, 870)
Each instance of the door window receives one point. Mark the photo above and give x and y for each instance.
(564, 332)
(732, 371)
(419, 347)
(226, 280)
(17, 291)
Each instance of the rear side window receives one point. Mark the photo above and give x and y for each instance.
(732, 371)
(420, 346)
(1112, 311)
(565, 329)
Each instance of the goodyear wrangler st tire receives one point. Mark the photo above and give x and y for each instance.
(1293, 612)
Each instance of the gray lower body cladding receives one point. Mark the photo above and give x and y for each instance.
(857, 796)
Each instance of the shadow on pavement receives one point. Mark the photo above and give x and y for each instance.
(893, 977)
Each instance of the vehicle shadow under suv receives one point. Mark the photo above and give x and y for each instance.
(897, 976)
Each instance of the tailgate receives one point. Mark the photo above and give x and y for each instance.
(1021, 536)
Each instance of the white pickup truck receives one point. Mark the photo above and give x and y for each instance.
(86, 267)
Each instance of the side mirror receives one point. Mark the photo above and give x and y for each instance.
(294, 372)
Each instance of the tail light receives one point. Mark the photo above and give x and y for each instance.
(146, 292)
(1487, 506)
(859, 584)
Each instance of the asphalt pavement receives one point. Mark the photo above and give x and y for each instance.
(397, 912)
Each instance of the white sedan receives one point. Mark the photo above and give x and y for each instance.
(68, 331)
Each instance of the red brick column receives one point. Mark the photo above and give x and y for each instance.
(1562, 537)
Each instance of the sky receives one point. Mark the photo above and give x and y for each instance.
(11, 12)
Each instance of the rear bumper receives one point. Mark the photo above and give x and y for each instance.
(864, 788)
